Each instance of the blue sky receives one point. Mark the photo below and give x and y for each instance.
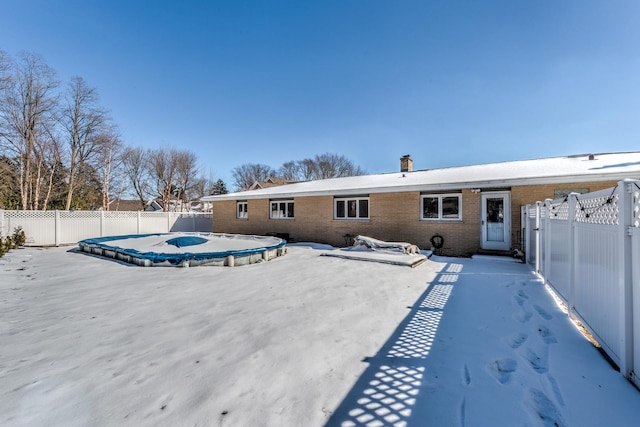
(449, 82)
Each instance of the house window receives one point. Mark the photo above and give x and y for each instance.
(281, 209)
(351, 208)
(559, 194)
(444, 207)
(241, 210)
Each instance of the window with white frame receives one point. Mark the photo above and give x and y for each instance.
(241, 210)
(351, 208)
(441, 207)
(281, 209)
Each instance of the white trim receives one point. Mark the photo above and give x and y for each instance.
(505, 243)
(242, 213)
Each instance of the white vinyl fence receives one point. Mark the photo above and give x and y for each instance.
(587, 248)
(49, 228)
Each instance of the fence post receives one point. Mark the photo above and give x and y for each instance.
(102, 223)
(2, 222)
(634, 231)
(573, 256)
(527, 234)
(547, 239)
(56, 225)
(168, 221)
(624, 191)
(138, 224)
(538, 248)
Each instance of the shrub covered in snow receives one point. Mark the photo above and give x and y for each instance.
(16, 240)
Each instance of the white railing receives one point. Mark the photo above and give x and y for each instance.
(587, 248)
(53, 228)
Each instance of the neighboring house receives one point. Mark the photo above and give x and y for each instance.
(179, 206)
(124, 205)
(153, 206)
(471, 207)
(270, 182)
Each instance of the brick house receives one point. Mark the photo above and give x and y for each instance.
(471, 207)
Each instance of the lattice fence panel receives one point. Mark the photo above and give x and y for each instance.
(154, 222)
(602, 209)
(38, 226)
(558, 209)
(635, 208)
(77, 225)
(120, 223)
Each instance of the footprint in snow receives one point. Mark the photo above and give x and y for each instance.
(542, 312)
(538, 362)
(466, 376)
(518, 339)
(462, 412)
(546, 335)
(502, 369)
(544, 409)
(556, 390)
(519, 300)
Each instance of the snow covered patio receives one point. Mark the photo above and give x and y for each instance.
(304, 340)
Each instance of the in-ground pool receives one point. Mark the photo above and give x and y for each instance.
(186, 249)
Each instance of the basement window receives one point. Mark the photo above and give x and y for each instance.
(441, 207)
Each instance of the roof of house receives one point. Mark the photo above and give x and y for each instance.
(272, 181)
(567, 169)
(125, 205)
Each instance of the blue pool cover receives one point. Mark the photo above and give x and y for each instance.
(182, 241)
(171, 258)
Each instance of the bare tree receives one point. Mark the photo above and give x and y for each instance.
(290, 170)
(48, 169)
(321, 166)
(246, 175)
(135, 169)
(5, 65)
(186, 171)
(207, 187)
(163, 168)
(335, 166)
(108, 161)
(83, 121)
(27, 114)
(308, 169)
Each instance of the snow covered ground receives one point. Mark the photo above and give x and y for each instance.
(304, 340)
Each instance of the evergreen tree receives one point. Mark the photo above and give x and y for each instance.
(219, 187)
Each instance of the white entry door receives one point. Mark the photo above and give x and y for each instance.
(496, 220)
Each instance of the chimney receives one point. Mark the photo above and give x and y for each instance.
(406, 164)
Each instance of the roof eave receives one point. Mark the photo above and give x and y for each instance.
(557, 179)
